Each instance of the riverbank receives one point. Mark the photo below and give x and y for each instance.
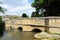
(47, 36)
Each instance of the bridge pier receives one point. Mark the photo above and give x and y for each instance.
(46, 25)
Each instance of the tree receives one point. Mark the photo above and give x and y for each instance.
(2, 10)
(52, 7)
(37, 4)
(2, 24)
(34, 14)
(24, 15)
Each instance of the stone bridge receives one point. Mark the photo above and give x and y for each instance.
(29, 24)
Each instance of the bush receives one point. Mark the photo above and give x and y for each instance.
(24, 15)
(2, 27)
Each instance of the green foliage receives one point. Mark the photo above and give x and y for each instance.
(0, 18)
(2, 27)
(37, 4)
(41, 15)
(24, 15)
(34, 14)
(41, 1)
(2, 24)
(2, 10)
(38, 1)
(52, 7)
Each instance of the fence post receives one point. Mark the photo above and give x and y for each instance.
(46, 25)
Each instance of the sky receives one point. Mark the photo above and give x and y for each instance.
(17, 7)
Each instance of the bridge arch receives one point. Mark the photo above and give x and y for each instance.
(36, 30)
(20, 28)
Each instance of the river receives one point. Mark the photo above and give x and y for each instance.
(18, 35)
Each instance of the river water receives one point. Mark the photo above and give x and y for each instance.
(18, 35)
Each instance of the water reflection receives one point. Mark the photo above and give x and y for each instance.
(1, 34)
(18, 35)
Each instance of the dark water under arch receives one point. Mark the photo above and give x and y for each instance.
(20, 28)
(36, 30)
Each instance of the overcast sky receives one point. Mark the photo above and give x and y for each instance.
(17, 7)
